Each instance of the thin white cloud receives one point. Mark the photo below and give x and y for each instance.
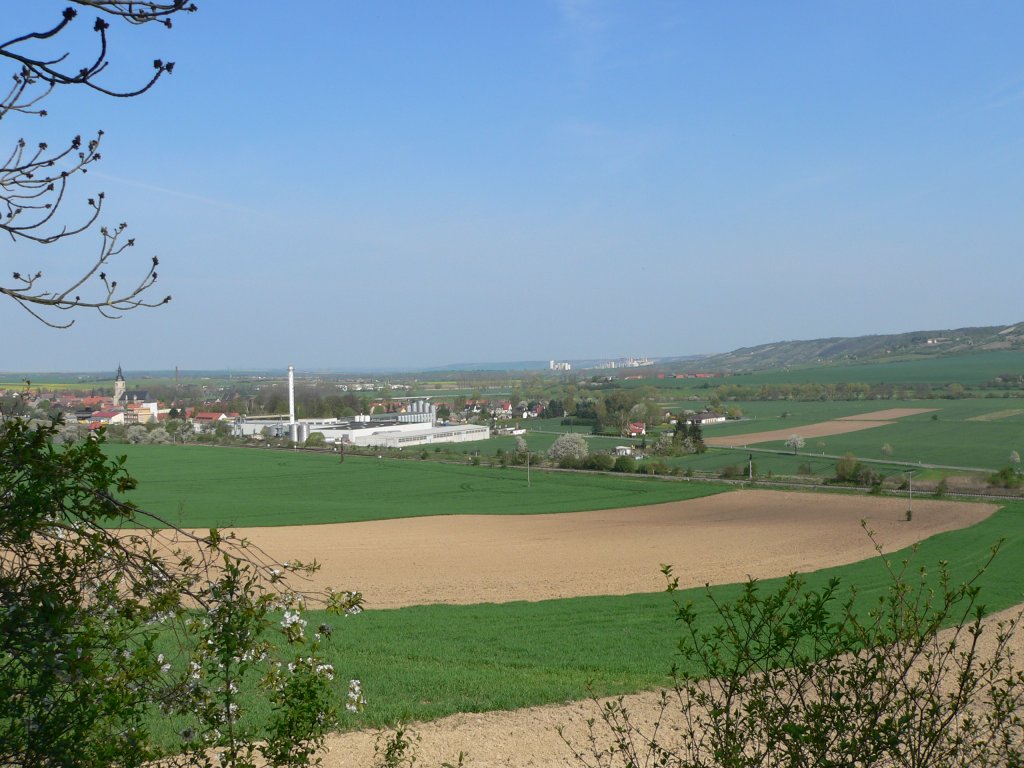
(172, 192)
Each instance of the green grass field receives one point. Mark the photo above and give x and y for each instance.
(716, 459)
(967, 444)
(764, 415)
(538, 443)
(198, 486)
(426, 662)
(968, 369)
(964, 433)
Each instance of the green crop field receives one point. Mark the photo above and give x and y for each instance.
(538, 443)
(797, 413)
(426, 662)
(963, 433)
(983, 445)
(765, 464)
(968, 369)
(197, 486)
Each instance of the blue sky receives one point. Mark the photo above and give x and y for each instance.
(342, 185)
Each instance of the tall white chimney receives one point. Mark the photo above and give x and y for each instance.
(291, 394)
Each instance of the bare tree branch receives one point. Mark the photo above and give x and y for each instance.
(34, 178)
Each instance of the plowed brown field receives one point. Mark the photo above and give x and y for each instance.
(464, 559)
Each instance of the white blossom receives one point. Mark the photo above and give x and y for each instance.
(355, 699)
(326, 670)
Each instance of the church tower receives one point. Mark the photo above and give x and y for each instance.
(119, 386)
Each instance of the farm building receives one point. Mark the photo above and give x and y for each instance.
(706, 417)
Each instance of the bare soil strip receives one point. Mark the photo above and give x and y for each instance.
(998, 415)
(888, 413)
(821, 429)
(839, 426)
(719, 539)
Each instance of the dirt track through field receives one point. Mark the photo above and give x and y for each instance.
(838, 426)
(888, 413)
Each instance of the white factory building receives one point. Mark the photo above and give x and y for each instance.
(383, 432)
(415, 426)
(402, 435)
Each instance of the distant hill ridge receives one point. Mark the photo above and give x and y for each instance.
(876, 348)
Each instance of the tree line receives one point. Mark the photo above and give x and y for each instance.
(841, 391)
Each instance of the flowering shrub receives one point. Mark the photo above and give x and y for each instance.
(569, 446)
(91, 586)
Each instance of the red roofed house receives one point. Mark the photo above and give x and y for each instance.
(97, 401)
(207, 421)
(636, 429)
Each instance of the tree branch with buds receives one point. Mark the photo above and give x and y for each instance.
(35, 178)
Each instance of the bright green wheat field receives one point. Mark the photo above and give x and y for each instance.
(200, 487)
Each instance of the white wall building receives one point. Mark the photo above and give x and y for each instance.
(363, 431)
(402, 435)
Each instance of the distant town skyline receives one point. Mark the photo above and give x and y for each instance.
(344, 186)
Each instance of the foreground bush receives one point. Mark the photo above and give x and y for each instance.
(798, 677)
(108, 626)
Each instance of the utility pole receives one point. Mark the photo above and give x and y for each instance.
(910, 482)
